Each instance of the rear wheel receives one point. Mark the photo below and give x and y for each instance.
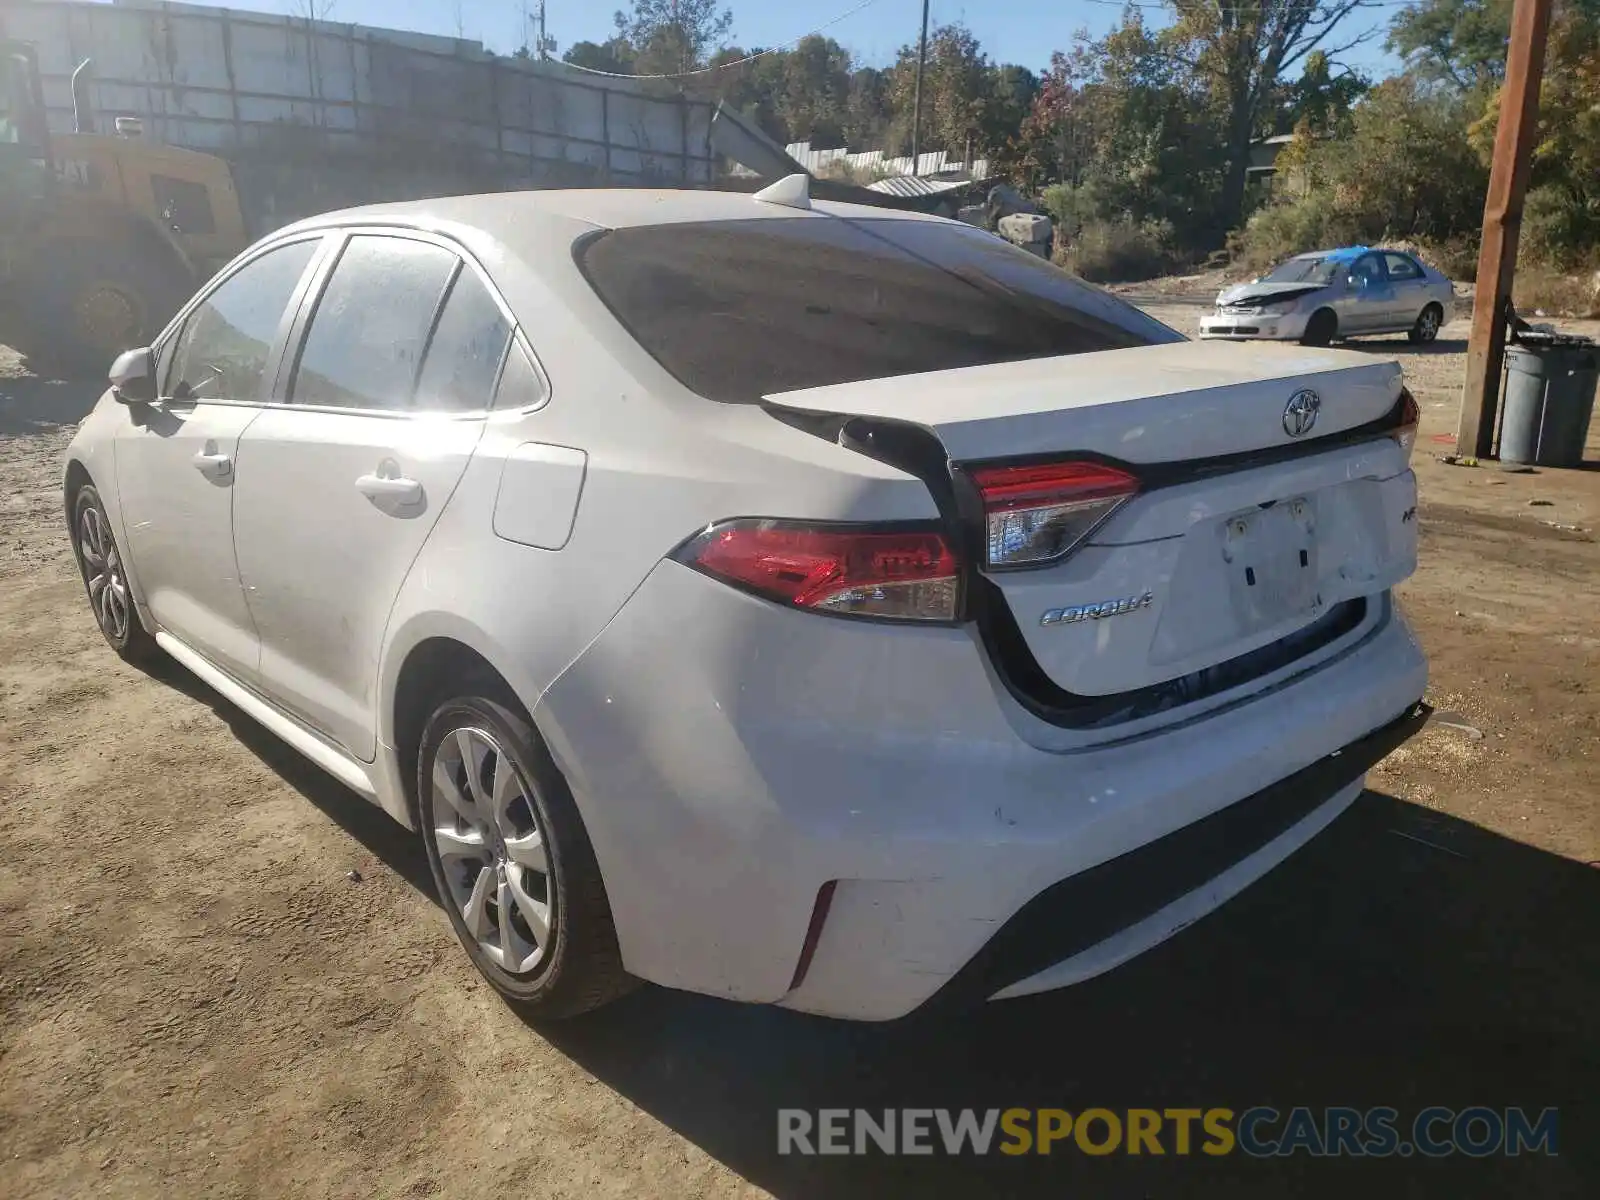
(1427, 326)
(105, 578)
(1320, 329)
(511, 859)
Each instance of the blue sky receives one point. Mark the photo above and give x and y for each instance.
(1023, 31)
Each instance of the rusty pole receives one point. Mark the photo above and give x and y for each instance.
(1502, 223)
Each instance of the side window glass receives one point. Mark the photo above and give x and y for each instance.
(185, 206)
(371, 324)
(520, 385)
(221, 352)
(1367, 267)
(465, 352)
(1401, 267)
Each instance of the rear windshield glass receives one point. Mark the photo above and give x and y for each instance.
(737, 310)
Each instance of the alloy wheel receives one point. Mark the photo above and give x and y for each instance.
(1428, 325)
(492, 850)
(102, 570)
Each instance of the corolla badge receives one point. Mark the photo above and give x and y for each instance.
(1300, 414)
(1093, 612)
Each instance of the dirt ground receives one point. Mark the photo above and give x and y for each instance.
(223, 975)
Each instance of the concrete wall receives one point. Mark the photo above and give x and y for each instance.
(316, 115)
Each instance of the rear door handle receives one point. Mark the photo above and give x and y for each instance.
(390, 487)
(213, 466)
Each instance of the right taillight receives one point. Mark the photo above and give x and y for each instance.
(1410, 417)
(889, 571)
(1039, 514)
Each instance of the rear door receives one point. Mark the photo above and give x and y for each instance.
(1409, 287)
(341, 484)
(177, 462)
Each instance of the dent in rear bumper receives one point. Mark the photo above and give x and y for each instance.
(730, 757)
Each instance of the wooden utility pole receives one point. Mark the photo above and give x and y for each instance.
(916, 104)
(1502, 223)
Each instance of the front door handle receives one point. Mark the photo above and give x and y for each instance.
(390, 487)
(213, 466)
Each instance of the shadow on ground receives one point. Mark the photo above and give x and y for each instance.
(1370, 970)
(363, 820)
(1405, 958)
(1403, 348)
(31, 405)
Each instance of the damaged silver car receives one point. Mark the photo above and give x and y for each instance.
(1326, 294)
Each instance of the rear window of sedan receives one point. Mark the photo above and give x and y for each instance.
(737, 310)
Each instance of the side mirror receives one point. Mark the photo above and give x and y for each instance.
(133, 377)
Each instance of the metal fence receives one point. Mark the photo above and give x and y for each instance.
(277, 92)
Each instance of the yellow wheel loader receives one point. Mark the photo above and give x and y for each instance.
(103, 235)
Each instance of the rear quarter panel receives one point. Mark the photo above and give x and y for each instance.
(660, 464)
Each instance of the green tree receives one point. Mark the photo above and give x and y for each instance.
(955, 87)
(1320, 101)
(814, 91)
(614, 55)
(1011, 92)
(1460, 42)
(673, 36)
(794, 95)
(1129, 132)
(1240, 54)
(867, 113)
(1406, 169)
(1561, 224)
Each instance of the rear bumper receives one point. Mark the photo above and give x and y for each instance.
(730, 758)
(1130, 903)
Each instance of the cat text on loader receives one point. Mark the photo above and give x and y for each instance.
(103, 236)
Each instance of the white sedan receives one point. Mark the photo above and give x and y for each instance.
(1314, 298)
(800, 604)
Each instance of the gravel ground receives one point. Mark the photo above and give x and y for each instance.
(223, 975)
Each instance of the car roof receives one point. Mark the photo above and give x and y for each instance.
(1343, 253)
(499, 214)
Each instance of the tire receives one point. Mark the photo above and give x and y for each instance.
(484, 844)
(1321, 329)
(105, 580)
(97, 299)
(1427, 326)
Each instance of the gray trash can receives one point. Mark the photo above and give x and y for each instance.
(1549, 397)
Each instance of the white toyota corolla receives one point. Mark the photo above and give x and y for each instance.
(797, 603)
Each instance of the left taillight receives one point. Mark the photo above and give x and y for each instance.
(895, 572)
(1040, 513)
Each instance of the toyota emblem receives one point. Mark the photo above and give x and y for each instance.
(1300, 414)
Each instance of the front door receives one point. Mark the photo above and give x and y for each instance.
(177, 462)
(342, 483)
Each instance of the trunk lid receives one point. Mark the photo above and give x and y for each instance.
(1242, 536)
(1146, 404)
